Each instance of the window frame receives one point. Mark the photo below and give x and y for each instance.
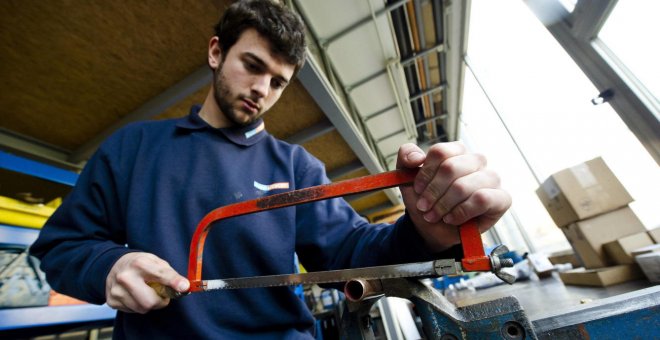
(577, 33)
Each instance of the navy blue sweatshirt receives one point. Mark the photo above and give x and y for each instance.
(148, 186)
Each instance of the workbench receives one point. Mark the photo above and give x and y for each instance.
(533, 309)
(542, 297)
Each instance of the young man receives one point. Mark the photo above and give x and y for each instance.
(130, 218)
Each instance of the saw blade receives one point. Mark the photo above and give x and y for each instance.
(412, 270)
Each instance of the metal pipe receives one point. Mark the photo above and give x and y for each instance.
(390, 135)
(380, 112)
(395, 74)
(412, 98)
(423, 53)
(339, 86)
(432, 90)
(425, 65)
(357, 290)
(366, 79)
(432, 119)
(421, 65)
(407, 60)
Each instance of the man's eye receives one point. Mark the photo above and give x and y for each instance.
(277, 84)
(252, 67)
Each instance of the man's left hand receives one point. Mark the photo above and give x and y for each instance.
(452, 187)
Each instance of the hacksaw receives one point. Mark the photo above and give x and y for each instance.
(474, 256)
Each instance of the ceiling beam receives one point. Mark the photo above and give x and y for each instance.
(155, 106)
(312, 78)
(387, 9)
(314, 131)
(36, 149)
(457, 21)
(589, 17)
(345, 170)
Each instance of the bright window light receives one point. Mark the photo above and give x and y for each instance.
(544, 100)
(568, 4)
(631, 32)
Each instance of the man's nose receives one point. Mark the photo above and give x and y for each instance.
(261, 85)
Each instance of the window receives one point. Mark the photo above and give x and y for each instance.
(568, 4)
(544, 101)
(630, 32)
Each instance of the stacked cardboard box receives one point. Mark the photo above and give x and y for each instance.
(588, 237)
(590, 206)
(648, 258)
(655, 235)
(621, 250)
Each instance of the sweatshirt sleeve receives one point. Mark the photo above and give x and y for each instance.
(84, 237)
(331, 235)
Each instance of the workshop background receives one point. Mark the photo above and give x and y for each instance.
(561, 96)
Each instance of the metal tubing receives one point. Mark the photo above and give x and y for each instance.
(428, 91)
(379, 112)
(404, 62)
(358, 289)
(423, 53)
(390, 135)
(432, 119)
(412, 98)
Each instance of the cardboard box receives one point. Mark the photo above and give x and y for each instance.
(620, 251)
(540, 264)
(645, 250)
(565, 256)
(588, 236)
(655, 235)
(582, 191)
(650, 265)
(601, 277)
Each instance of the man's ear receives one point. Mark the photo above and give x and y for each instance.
(214, 53)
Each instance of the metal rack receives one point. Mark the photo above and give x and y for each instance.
(31, 321)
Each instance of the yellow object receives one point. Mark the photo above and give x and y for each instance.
(17, 213)
(389, 215)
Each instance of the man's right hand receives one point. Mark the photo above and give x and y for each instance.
(126, 287)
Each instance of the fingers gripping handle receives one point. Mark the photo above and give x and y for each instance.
(165, 291)
(471, 239)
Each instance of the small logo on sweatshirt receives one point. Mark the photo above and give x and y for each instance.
(251, 133)
(273, 186)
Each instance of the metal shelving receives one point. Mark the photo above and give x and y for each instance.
(41, 320)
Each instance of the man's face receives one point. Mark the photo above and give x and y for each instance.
(250, 79)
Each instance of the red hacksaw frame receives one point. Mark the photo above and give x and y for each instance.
(473, 251)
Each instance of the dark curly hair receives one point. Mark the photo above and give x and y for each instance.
(279, 25)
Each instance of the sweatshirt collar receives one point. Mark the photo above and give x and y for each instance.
(245, 135)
